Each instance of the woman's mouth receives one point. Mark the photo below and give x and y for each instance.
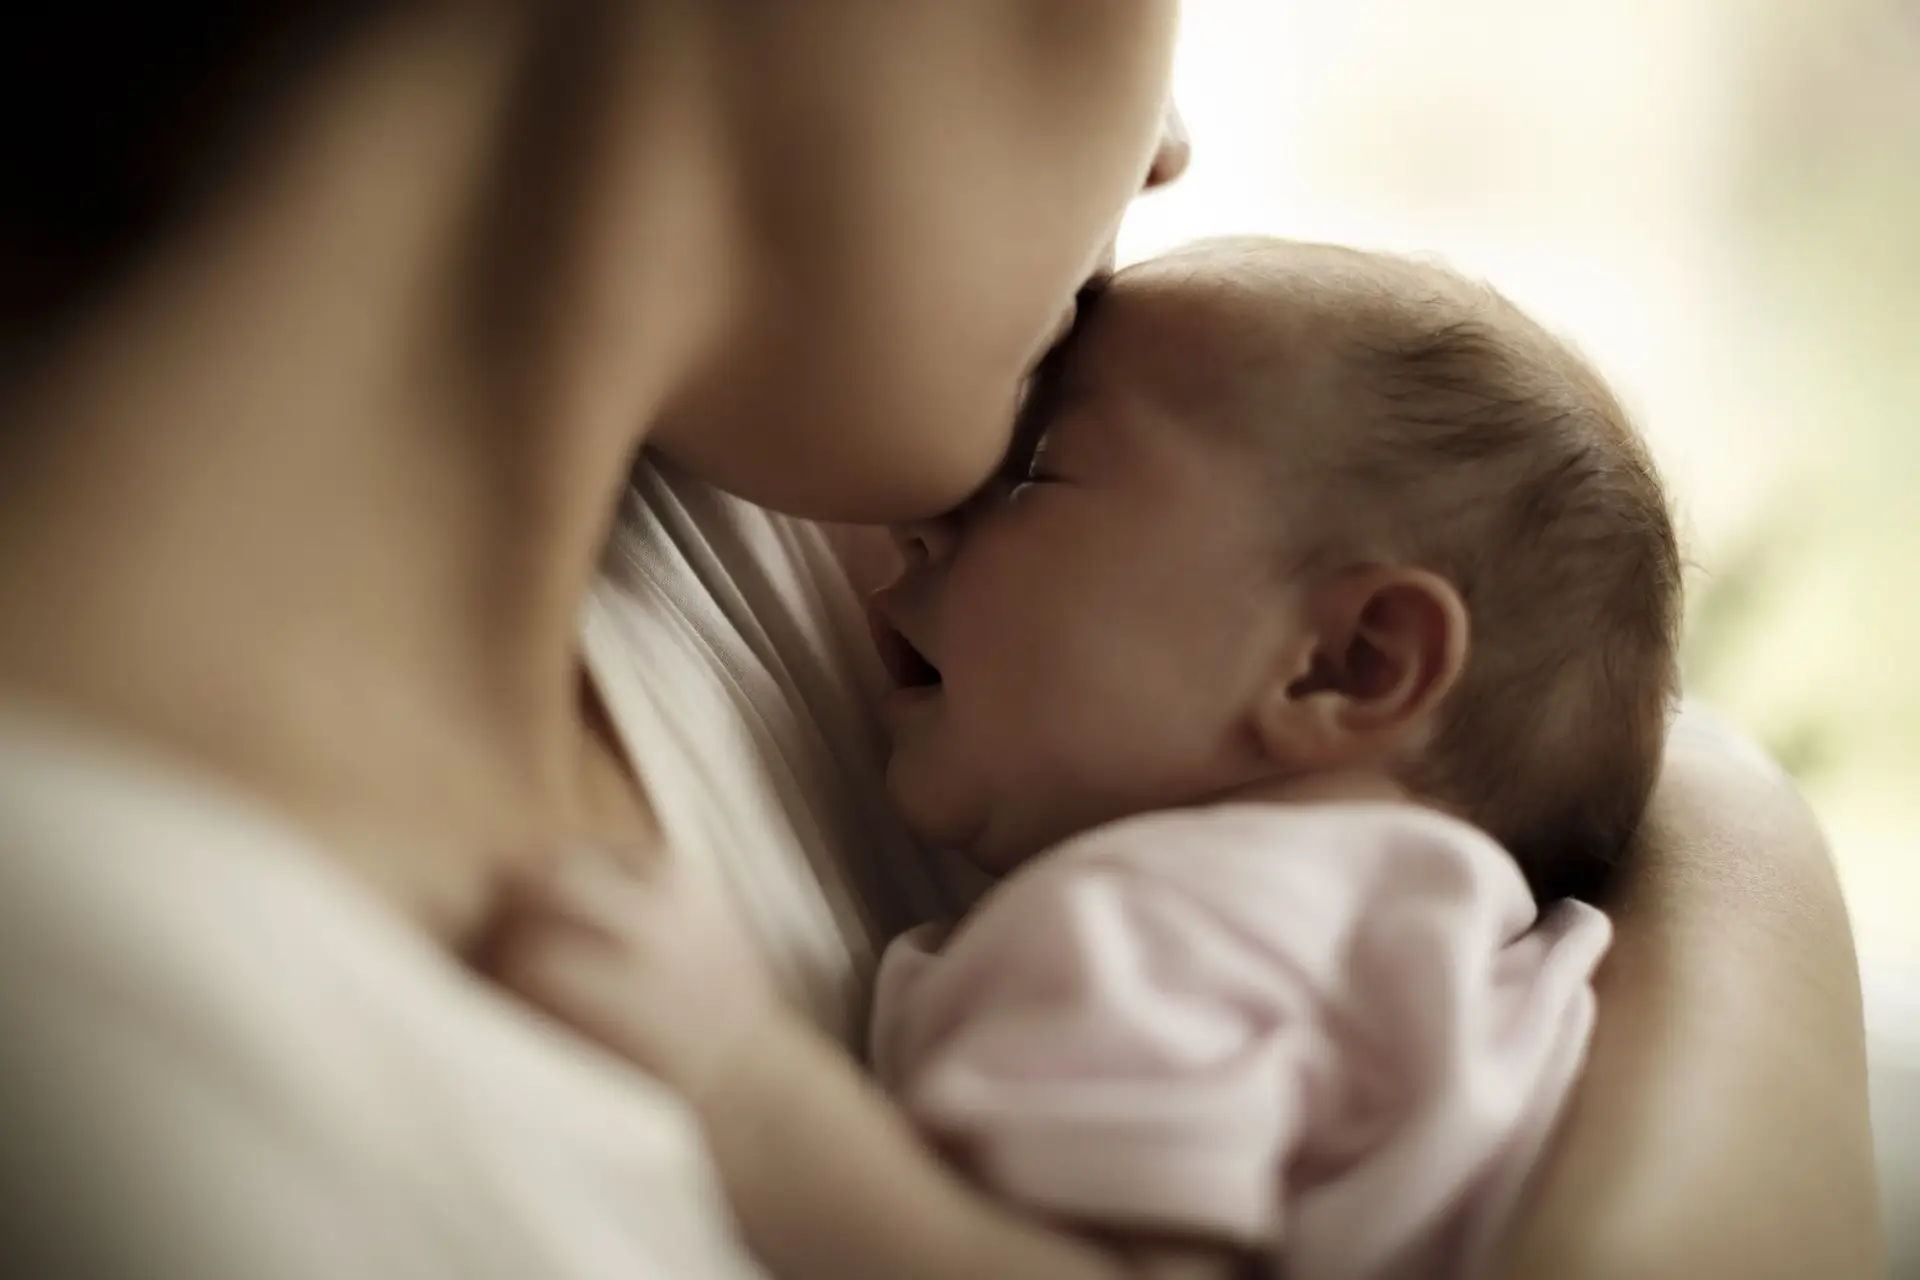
(1061, 327)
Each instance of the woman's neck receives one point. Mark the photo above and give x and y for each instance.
(315, 500)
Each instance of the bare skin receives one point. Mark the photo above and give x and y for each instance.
(1712, 1136)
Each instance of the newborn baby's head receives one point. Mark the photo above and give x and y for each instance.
(1294, 511)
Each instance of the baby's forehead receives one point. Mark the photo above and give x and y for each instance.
(1267, 290)
(1230, 331)
(1217, 300)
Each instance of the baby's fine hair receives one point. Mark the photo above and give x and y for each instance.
(1500, 460)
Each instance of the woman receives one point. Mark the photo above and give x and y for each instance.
(331, 334)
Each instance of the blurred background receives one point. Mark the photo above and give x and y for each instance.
(1719, 202)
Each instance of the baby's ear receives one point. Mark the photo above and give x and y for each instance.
(1383, 646)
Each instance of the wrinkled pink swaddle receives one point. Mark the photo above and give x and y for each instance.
(1333, 1033)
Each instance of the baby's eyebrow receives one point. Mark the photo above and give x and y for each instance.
(1040, 406)
(1049, 390)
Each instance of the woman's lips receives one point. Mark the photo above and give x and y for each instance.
(1064, 325)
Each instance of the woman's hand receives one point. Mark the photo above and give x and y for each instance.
(1721, 1128)
(651, 961)
(824, 1175)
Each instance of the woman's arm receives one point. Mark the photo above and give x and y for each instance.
(1721, 1128)
(829, 1182)
(826, 1177)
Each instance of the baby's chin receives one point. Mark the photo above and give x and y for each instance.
(929, 804)
(947, 809)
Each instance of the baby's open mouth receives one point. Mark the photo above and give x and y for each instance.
(916, 672)
(906, 665)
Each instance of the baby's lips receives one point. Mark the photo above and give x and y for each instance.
(896, 655)
(907, 664)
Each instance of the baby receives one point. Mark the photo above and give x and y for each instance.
(1325, 627)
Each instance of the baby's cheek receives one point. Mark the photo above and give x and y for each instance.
(1120, 715)
(932, 789)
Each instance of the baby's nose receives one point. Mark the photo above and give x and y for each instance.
(926, 543)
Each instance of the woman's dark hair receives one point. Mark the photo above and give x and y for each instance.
(116, 117)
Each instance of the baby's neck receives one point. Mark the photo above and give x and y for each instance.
(1324, 788)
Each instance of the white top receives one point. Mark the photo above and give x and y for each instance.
(220, 1056)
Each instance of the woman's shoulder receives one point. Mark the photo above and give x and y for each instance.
(114, 857)
(221, 1057)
